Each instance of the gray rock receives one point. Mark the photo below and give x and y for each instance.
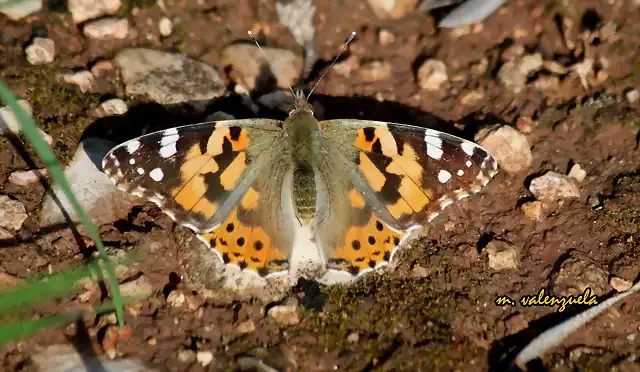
(107, 29)
(16, 10)
(553, 186)
(471, 11)
(97, 195)
(168, 78)
(510, 147)
(12, 213)
(140, 288)
(84, 10)
(40, 51)
(65, 358)
(247, 61)
(298, 16)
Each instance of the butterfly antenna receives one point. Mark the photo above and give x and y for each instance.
(344, 48)
(265, 56)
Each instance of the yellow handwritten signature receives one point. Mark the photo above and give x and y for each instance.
(542, 299)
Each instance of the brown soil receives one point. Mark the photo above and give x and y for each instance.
(435, 310)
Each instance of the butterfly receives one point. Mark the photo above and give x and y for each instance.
(250, 188)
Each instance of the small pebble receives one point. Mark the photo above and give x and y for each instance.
(553, 186)
(633, 95)
(107, 29)
(620, 284)
(533, 210)
(165, 26)
(432, 74)
(375, 71)
(41, 51)
(24, 178)
(113, 107)
(175, 298)
(386, 37)
(502, 256)
(577, 173)
(204, 358)
(353, 338)
(83, 79)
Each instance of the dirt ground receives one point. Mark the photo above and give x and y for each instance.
(435, 310)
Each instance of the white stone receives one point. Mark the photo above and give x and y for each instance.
(107, 29)
(165, 26)
(553, 186)
(84, 10)
(577, 173)
(40, 51)
(84, 79)
(16, 10)
(9, 122)
(204, 358)
(114, 106)
(392, 9)
(633, 95)
(508, 146)
(24, 178)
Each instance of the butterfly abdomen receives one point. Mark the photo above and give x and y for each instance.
(304, 194)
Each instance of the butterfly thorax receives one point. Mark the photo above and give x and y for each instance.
(302, 130)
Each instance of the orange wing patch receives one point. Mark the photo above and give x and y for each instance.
(248, 247)
(365, 247)
(223, 143)
(397, 163)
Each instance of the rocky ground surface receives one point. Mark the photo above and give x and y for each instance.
(550, 87)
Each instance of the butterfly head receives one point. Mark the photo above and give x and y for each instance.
(300, 103)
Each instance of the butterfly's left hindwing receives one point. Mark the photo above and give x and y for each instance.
(401, 176)
(220, 179)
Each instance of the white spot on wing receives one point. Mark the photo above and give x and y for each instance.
(468, 147)
(140, 171)
(468, 163)
(156, 174)
(433, 151)
(133, 146)
(132, 161)
(444, 176)
(460, 172)
(168, 150)
(169, 136)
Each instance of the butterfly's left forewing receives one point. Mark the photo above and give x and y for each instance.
(221, 179)
(400, 176)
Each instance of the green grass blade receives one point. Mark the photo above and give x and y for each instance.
(16, 330)
(47, 156)
(47, 288)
